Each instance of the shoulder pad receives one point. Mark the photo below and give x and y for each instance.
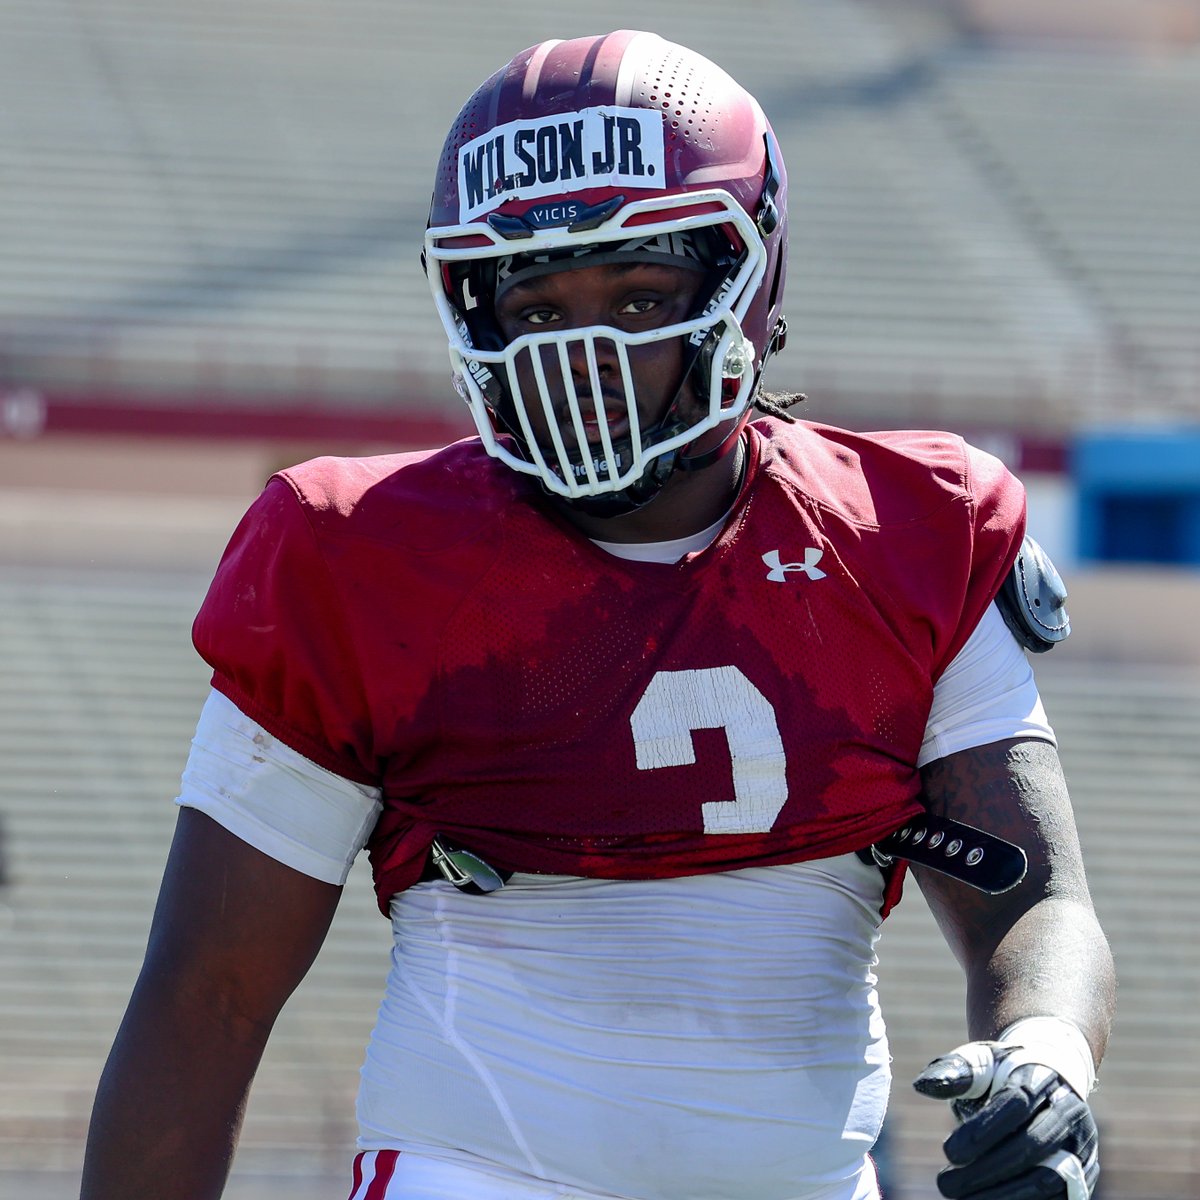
(1032, 600)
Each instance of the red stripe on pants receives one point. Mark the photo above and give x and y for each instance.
(385, 1167)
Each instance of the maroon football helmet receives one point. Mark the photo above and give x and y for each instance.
(597, 150)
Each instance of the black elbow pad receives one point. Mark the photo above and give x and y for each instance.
(1033, 600)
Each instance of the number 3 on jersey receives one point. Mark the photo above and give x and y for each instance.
(676, 702)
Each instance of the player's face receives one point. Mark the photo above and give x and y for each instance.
(631, 297)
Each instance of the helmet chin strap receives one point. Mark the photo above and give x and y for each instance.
(697, 462)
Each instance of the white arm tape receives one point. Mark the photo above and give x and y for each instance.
(1056, 1043)
(274, 798)
(1048, 1042)
(1043, 1041)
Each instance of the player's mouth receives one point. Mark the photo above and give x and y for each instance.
(593, 427)
(593, 423)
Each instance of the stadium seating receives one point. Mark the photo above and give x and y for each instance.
(222, 205)
(1080, 146)
(221, 202)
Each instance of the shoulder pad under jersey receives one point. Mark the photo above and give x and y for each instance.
(1033, 599)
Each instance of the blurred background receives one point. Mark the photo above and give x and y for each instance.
(210, 219)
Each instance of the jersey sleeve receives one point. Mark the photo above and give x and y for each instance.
(273, 627)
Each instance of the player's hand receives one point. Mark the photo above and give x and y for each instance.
(1025, 1134)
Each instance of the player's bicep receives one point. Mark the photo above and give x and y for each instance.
(1016, 790)
(233, 927)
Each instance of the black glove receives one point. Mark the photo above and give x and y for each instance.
(1025, 1134)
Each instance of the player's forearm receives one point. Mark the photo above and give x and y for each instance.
(1053, 961)
(1038, 949)
(169, 1106)
(1043, 987)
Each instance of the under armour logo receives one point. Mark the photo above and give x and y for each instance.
(779, 570)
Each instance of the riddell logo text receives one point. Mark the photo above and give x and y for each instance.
(622, 147)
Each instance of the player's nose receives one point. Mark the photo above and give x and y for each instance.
(585, 352)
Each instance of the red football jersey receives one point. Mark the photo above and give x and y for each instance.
(424, 623)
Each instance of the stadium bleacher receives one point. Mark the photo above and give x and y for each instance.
(1120, 223)
(222, 204)
(227, 200)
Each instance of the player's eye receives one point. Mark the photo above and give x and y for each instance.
(643, 304)
(539, 316)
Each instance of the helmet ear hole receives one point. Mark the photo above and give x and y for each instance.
(472, 291)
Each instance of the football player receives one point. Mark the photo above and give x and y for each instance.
(641, 709)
